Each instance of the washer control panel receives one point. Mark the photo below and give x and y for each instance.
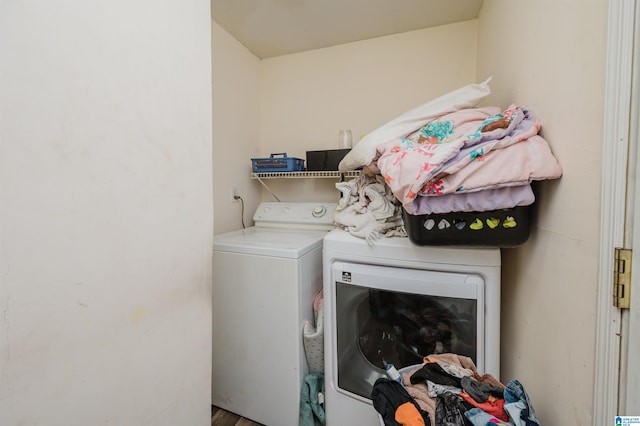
(295, 215)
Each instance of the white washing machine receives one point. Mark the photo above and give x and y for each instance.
(264, 281)
(396, 302)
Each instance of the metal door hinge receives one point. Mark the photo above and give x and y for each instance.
(622, 278)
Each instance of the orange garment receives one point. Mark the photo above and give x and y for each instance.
(407, 415)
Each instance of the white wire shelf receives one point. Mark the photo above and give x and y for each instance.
(299, 175)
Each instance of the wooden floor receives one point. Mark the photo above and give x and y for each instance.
(220, 417)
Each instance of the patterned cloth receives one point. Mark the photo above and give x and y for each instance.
(465, 151)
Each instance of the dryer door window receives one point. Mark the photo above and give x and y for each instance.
(398, 316)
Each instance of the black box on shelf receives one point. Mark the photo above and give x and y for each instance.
(326, 159)
(495, 228)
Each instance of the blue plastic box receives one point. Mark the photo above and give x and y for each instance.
(277, 164)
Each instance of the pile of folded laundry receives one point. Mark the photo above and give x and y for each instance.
(474, 159)
(448, 155)
(446, 389)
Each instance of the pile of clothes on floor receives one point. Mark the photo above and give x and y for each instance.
(447, 390)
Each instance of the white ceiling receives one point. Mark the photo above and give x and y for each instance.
(278, 27)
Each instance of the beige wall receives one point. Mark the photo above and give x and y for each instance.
(296, 103)
(550, 56)
(307, 97)
(105, 213)
(235, 129)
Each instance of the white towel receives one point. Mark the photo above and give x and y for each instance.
(368, 209)
(349, 193)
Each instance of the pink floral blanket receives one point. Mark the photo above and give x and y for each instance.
(466, 151)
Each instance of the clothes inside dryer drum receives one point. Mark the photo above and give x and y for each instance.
(401, 329)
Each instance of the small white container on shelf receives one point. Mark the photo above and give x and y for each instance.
(345, 139)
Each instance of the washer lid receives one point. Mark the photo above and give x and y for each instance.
(283, 243)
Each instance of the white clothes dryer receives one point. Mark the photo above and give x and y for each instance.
(396, 302)
(265, 279)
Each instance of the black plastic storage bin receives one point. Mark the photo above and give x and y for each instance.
(327, 159)
(495, 228)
